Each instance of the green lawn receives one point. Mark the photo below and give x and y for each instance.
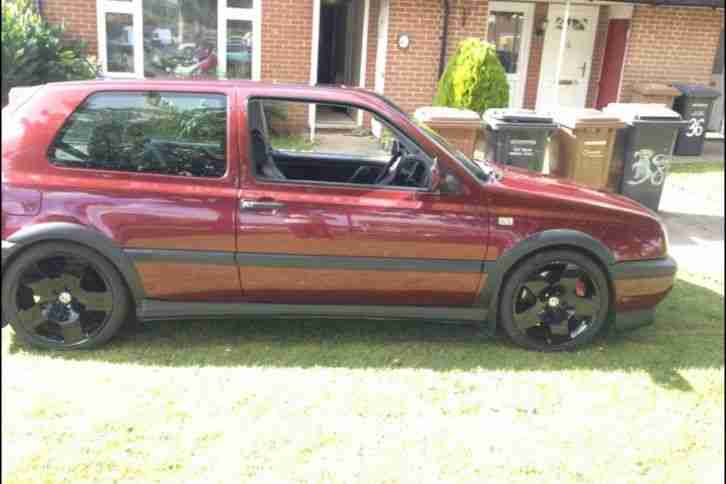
(705, 167)
(362, 401)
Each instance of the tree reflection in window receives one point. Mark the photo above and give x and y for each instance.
(177, 134)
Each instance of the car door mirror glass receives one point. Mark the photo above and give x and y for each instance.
(434, 176)
(395, 147)
(449, 184)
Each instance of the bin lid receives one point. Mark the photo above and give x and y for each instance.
(445, 116)
(630, 112)
(655, 89)
(697, 90)
(574, 118)
(518, 115)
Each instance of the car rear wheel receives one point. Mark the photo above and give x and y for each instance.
(555, 301)
(63, 296)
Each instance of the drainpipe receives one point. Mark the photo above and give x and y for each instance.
(444, 36)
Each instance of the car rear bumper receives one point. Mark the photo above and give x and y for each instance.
(639, 287)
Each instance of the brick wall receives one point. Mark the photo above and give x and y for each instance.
(535, 58)
(412, 74)
(286, 40)
(78, 17)
(598, 53)
(286, 48)
(669, 44)
(467, 18)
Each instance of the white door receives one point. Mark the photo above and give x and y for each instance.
(716, 121)
(381, 52)
(510, 29)
(382, 45)
(575, 73)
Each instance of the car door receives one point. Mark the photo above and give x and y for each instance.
(156, 168)
(307, 242)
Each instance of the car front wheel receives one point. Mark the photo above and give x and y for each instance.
(63, 296)
(555, 301)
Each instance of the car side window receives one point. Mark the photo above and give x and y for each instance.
(168, 133)
(348, 145)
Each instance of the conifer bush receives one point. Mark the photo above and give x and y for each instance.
(474, 78)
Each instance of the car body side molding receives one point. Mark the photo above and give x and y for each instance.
(154, 310)
(181, 256)
(360, 263)
(307, 261)
(548, 239)
(88, 237)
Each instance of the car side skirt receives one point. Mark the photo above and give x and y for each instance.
(154, 310)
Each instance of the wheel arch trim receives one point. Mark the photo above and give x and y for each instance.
(545, 240)
(84, 236)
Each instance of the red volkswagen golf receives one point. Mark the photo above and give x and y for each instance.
(218, 199)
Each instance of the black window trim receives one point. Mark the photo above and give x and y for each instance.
(230, 159)
(362, 186)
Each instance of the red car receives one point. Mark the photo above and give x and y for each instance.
(171, 199)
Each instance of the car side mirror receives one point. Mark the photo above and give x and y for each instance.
(435, 176)
(395, 147)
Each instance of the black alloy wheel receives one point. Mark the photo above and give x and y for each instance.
(555, 301)
(63, 296)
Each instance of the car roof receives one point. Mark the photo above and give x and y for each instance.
(263, 89)
(273, 87)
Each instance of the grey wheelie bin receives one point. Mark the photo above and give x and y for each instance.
(518, 137)
(643, 148)
(695, 105)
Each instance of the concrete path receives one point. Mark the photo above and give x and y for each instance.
(713, 151)
(693, 210)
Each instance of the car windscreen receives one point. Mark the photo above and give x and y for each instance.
(479, 168)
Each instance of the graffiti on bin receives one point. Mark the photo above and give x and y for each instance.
(648, 167)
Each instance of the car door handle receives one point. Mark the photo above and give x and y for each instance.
(252, 205)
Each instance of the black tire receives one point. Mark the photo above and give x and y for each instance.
(92, 327)
(518, 302)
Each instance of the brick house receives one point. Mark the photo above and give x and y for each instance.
(397, 46)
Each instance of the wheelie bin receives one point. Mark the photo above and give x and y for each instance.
(643, 148)
(695, 105)
(518, 137)
(585, 139)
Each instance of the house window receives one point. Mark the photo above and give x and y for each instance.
(181, 39)
(120, 42)
(505, 32)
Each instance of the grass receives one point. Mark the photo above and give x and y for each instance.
(381, 401)
(705, 167)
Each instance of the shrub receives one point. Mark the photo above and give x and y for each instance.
(474, 78)
(35, 52)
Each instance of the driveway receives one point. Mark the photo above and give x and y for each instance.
(693, 210)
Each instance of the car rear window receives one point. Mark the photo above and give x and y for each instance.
(168, 133)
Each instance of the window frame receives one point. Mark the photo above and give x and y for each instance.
(230, 132)
(312, 183)
(135, 8)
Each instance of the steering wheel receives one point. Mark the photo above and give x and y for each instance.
(409, 172)
(395, 155)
